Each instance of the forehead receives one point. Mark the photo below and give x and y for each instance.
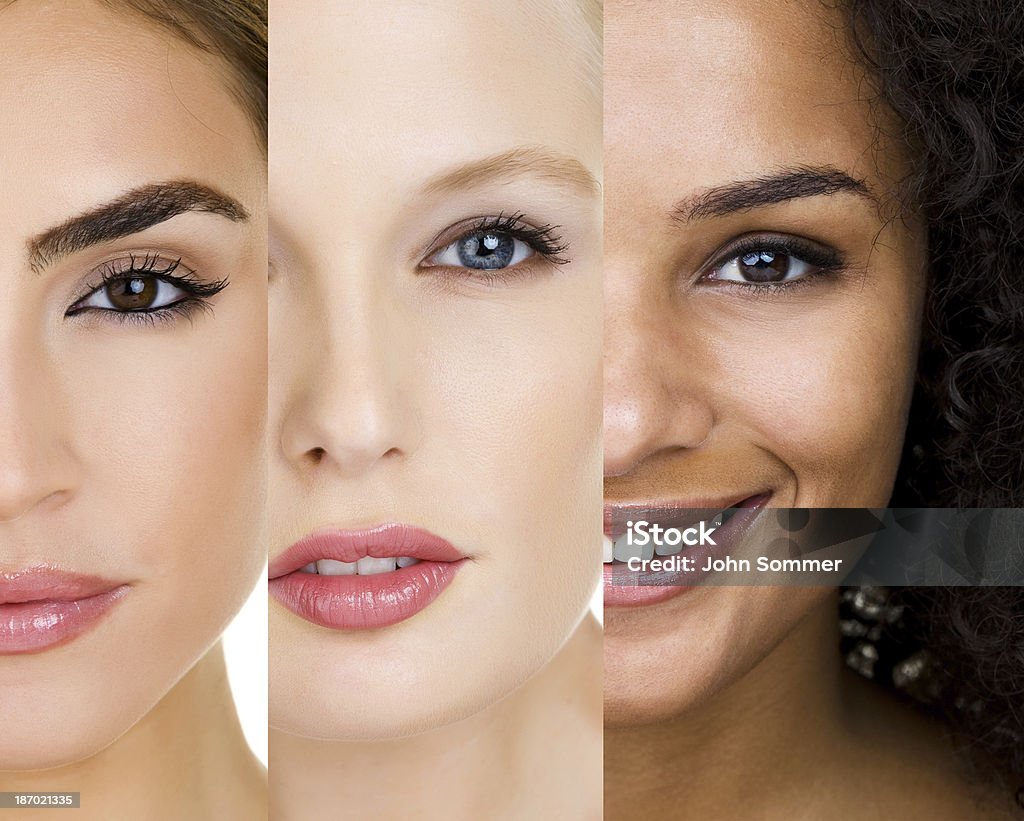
(97, 100)
(726, 90)
(413, 84)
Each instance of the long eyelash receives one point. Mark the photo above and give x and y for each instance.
(543, 239)
(198, 292)
(827, 262)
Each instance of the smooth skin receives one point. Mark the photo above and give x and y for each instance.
(406, 390)
(731, 702)
(129, 450)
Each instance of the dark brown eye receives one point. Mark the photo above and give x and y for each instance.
(764, 266)
(768, 266)
(134, 294)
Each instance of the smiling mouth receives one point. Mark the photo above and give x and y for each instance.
(617, 550)
(358, 579)
(628, 588)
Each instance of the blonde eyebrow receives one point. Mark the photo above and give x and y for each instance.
(535, 161)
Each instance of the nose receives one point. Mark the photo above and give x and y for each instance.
(350, 404)
(37, 465)
(656, 397)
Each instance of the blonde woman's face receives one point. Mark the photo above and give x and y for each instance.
(435, 350)
(132, 371)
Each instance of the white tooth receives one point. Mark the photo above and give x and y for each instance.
(309, 568)
(623, 551)
(369, 565)
(609, 549)
(407, 561)
(668, 549)
(332, 567)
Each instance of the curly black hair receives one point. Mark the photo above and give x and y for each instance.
(952, 71)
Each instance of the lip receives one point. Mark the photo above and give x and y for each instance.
(42, 607)
(677, 514)
(360, 602)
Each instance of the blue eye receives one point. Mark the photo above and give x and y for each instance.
(484, 250)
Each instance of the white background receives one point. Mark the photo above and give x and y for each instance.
(245, 649)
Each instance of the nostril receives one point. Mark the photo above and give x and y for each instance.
(317, 455)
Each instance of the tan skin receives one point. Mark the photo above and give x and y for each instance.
(729, 702)
(129, 449)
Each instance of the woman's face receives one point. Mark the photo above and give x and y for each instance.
(130, 442)
(433, 364)
(762, 309)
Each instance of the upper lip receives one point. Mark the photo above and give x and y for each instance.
(48, 583)
(674, 512)
(390, 540)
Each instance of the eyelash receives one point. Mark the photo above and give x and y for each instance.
(197, 293)
(826, 262)
(543, 240)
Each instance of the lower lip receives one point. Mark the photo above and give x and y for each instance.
(726, 538)
(361, 602)
(34, 626)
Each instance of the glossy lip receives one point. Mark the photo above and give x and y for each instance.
(360, 602)
(42, 607)
(678, 513)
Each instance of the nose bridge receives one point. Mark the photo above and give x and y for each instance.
(355, 405)
(657, 387)
(36, 462)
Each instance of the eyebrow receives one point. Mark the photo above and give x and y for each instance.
(134, 211)
(509, 165)
(788, 184)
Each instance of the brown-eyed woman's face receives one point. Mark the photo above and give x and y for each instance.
(132, 370)
(762, 311)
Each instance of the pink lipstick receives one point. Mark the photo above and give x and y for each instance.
(42, 607)
(357, 579)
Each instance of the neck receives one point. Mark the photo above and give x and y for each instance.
(758, 743)
(186, 758)
(537, 749)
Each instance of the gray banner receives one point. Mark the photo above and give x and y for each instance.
(50, 800)
(663, 546)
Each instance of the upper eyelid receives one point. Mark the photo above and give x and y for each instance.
(788, 243)
(445, 237)
(159, 271)
(103, 272)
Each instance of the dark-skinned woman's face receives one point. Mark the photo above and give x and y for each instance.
(763, 305)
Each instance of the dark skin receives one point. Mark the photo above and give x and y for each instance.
(763, 312)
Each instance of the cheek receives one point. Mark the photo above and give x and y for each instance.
(172, 426)
(518, 416)
(828, 396)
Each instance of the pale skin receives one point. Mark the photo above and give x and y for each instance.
(130, 449)
(732, 702)
(390, 376)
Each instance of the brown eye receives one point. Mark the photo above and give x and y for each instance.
(764, 266)
(142, 293)
(767, 266)
(135, 294)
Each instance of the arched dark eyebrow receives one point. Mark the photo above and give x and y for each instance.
(788, 184)
(134, 211)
